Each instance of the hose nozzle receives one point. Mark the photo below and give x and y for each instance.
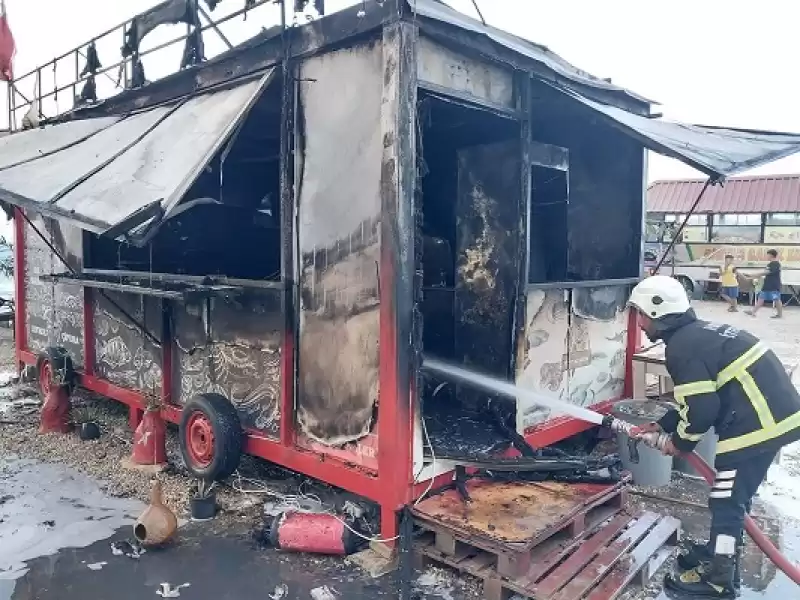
(651, 439)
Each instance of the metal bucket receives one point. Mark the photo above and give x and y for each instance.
(653, 468)
(706, 448)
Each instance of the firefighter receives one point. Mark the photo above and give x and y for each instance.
(726, 378)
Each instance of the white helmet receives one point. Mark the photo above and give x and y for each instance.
(659, 296)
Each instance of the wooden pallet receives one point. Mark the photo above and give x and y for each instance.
(554, 520)
(595, 564)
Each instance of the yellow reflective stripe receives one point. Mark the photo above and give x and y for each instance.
(690, 437)
(757, 399)
(741, 364)
(694, 388)
(760, 436)
(683, 423)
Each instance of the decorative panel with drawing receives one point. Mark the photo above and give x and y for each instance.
(542, 353)
(232, 347)
(54, 312)
(573, 349)
(124, 354)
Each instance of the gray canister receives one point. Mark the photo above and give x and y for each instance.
(706, 448)
(653, 468)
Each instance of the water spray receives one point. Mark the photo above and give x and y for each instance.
(653, 439)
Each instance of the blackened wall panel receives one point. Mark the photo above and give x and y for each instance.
(606, 200)
(339, 244)
(54, 312)
(489, 189)
(124, 354)
(232, 347)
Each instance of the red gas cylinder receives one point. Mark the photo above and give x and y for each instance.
(312, 532)
(149, 440)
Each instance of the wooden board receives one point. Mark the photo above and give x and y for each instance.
(596, 564)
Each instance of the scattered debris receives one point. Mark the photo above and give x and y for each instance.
(49, 523)
(324, 593)
(281, 591)
(167, 591)
(435, 582)
(131, 549)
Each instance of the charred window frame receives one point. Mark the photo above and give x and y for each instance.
(548, 205)
(604, 183)
(232, 221)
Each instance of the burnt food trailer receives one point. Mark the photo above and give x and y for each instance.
(267, 243)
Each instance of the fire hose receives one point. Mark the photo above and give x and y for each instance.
(657, 440)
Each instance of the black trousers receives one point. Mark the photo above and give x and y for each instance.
(731, 497)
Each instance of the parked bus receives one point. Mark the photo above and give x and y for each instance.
(745, 217)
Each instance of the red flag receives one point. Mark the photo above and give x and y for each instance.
(7, 46)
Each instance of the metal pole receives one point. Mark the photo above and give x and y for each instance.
(674, 240)
(213, 26)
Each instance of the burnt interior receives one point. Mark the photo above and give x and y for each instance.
(451, 137)
(597, 234)
(228, 223)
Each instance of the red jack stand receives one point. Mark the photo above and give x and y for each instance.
(57, 404)
(55, 411)
(149, 440)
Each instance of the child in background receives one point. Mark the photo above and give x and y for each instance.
(730, 284)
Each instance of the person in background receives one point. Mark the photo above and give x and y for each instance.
(771, 288)
(730, 284)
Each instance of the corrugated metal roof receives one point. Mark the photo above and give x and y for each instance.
(765, 193)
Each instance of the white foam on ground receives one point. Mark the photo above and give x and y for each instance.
(44, 508)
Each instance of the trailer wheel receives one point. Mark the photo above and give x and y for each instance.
(210, 437)
(54, 364)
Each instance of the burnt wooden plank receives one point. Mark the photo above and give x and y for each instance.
(545, 509)
(645, 559)
(565, 573)
(593, 572)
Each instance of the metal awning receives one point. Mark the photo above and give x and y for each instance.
(716, 151)
(112, 175)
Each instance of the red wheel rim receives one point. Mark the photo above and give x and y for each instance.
(45, 377)
(199, 439)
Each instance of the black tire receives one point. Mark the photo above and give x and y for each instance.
(228, 436)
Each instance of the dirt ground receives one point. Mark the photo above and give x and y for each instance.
(242, 500)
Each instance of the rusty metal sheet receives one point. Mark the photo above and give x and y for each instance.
(487, 219)
(511, 515)
(339, 244)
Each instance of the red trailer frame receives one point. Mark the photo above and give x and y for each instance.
(393, 439)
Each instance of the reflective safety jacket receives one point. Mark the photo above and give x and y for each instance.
(727, 378)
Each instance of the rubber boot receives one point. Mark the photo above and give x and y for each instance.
(695, 556)
(714, 582)
(698, 556)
